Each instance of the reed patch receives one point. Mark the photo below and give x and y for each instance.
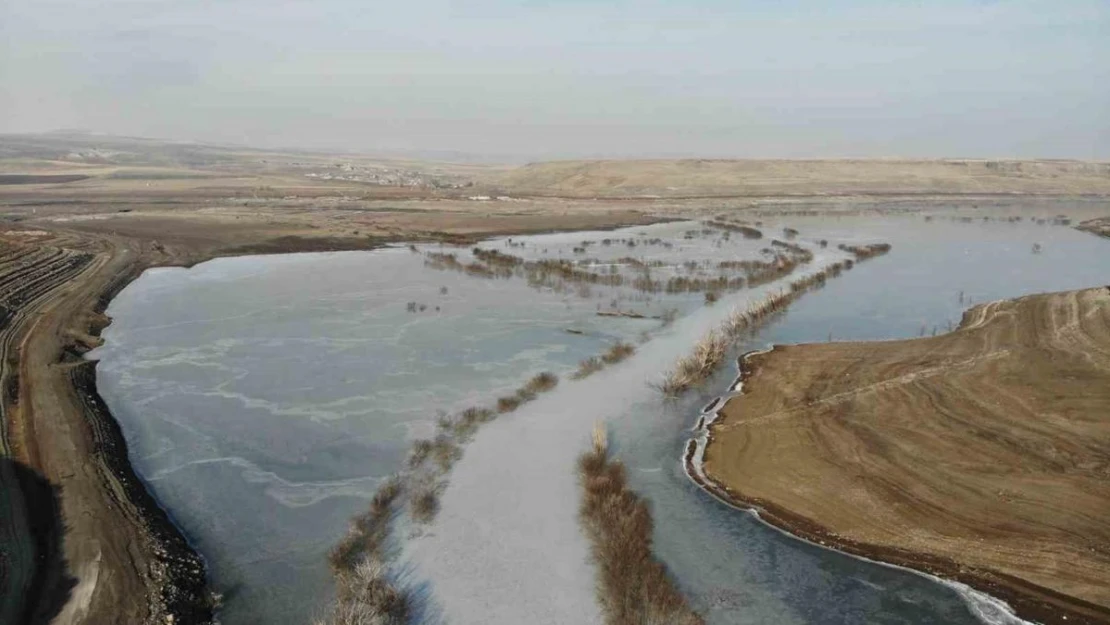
(633, 586)
(695, 368)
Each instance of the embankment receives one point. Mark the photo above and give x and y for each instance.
(114, 553)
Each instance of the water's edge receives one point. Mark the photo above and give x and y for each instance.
(185, 589)
(989, 601)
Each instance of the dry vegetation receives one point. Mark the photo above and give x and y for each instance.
(863, 252)
(1099, 226)
(978, 455)
(134, 204)
(710, 351)
(588, 367)
(540, 383)
(365, 592)
(424, 502)
(754, 178)
(747, 231)
(616, 353)
(633, 587)
(560, 274)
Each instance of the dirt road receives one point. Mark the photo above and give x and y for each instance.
(121, 555)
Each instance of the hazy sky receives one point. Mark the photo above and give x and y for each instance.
(565, 78)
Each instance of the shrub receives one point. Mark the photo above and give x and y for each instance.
(633, 587)
(368, 597)
(367, 533)
(419, 453)
(588, 367)
(708, 353)
(863, 252)
(446, 452)
(617, 352)
(542, 382)
(468, 421)
(424, 504)
(698, 366)
(508, 403)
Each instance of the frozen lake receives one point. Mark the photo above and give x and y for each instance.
(264, 398)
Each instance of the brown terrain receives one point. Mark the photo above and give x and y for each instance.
(1099, 226)
(81, 541)
(982, 455)
(785, 178)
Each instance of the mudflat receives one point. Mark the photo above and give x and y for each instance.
(982, 455)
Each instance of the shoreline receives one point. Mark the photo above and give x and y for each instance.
(187, 596)
(173, 570)
(185, 590)
(1027, 601)
(179, 556)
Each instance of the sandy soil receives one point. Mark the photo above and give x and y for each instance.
(981, 455)
(724, 178)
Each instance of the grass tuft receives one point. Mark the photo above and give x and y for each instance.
(588, 367)
(617, 352)
(364, 592)
(446, 452)
(696, 367)
(508, 403)
(424, 503)
(542, 382)
(367, 596)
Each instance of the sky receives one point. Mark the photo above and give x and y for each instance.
(540, 79)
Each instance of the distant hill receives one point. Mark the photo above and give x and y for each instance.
(79, 154)
(692, 178)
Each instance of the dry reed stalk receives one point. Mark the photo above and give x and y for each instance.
(600, 438)
(617, 352)
(424, 502)
(698, 366)
(633, 587)
(588, 367)
(364, 592)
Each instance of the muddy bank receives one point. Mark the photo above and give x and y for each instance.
(175, 571)
(178, 570)
(776, 408)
